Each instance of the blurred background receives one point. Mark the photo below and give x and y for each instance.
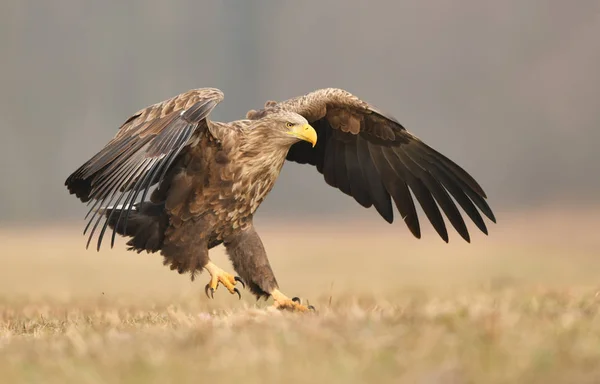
(508, 89)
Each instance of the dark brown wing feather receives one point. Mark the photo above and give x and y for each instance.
(140, 154)
(368, 155)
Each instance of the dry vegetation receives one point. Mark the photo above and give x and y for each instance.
(520, 306)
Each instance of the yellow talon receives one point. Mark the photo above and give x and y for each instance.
(217, 275)
(285, 303)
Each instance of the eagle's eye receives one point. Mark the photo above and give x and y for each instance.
(289, 125)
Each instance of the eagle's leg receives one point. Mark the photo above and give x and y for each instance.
(249, 259)
(185, 251)
(217, 275)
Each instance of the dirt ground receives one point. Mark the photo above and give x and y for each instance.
(520, 305)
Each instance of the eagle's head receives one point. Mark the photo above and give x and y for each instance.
(289, 127)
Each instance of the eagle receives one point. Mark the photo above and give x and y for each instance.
(175, 182)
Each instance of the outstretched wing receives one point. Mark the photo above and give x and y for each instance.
(140, 154)
(368, 155)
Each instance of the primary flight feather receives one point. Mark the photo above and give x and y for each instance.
(210, 178)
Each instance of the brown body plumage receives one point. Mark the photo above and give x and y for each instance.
(211, 177)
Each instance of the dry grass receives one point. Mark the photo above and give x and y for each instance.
(520, 306)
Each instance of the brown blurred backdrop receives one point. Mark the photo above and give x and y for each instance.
(508, 89)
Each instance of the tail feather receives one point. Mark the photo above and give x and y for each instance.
(146, 225)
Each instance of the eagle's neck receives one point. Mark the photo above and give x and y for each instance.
(261, 151)
(261, 160)
(262, 156)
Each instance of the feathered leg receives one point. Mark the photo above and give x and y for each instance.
(186, 251)
(249, 259)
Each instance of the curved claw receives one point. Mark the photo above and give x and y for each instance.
(237, 278)
(212, 292)
(238, 293)
(296, 300)
(312, 308)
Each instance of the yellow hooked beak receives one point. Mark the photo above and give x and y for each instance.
(305, 132)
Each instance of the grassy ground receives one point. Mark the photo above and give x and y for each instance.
(520, 306)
